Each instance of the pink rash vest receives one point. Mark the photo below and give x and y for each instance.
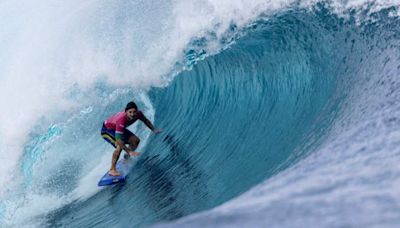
(119, 122)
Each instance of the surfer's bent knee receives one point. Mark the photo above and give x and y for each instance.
(135, 140)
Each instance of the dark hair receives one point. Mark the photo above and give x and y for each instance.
(130, 105)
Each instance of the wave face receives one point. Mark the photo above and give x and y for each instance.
(298, 104)
(347, 75)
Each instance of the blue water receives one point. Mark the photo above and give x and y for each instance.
(293, 122)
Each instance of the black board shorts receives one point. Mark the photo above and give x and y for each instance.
(109, 135)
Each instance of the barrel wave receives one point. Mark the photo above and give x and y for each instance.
(290, 121)
(231, 121)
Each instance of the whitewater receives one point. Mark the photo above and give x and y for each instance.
(275, 113)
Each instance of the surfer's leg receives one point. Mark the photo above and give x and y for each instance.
(113, 170)
(109, 136)
(132, 140)
(133, 144)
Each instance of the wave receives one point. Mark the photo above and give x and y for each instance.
(348, 177)
(248, 99)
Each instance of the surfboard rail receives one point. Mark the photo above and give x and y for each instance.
(123, 166)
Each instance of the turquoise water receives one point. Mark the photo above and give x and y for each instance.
(284, 103)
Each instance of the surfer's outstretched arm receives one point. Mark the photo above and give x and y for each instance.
(151, 126)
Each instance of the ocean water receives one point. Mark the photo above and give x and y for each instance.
(275, 113)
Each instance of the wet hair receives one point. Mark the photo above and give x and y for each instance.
(130, 105)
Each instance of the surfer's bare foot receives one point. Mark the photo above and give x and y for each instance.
(133, 153)
(114, 173)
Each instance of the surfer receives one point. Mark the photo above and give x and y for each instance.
(115, 132)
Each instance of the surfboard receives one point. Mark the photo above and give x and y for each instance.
(123, 166)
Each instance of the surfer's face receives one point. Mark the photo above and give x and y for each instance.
(130, 113)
